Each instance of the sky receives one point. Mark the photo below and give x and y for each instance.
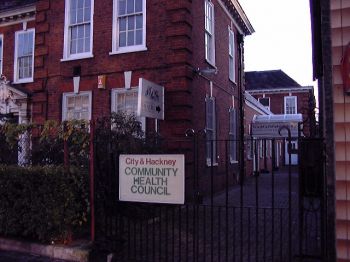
(282, 38)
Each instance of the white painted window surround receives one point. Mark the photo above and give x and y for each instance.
(232, 61)
(209, 26)
(129, 26)
(125, 100)
(77, 106)
(78, 29)
(290, 105)
(24, 56)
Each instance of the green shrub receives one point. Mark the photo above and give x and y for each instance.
(43, 203)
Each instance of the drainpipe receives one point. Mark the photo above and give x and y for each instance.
(241, 107)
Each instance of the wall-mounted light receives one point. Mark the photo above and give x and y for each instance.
(76, 78)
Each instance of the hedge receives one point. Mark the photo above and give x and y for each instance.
(43, 203)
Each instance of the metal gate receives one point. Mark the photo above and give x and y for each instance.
(269, 212)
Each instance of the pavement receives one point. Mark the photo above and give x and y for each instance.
(11, 256)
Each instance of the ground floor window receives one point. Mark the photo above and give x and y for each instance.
(77, 106)
(210, 130)
(125, 100)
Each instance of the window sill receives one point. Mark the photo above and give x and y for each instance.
(128, 50)
(233, 161)
(210, 164)
(211, 63)
(233, 81)
(77, 57)
(23, 81)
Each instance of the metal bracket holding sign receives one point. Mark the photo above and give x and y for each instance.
(150, 100)
(152, 178)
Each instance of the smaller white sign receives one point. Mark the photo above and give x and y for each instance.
(152, 178)
(268, 130)
(150, 101)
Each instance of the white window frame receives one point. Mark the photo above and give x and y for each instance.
(114, 107)
(1, 53)
(16, 79)
(295, 104)
(65, 99)
(67, 56)
(115, 33)
(210, 145)
(267, 107)
(209, 12)
(232, 55)
(233, 135)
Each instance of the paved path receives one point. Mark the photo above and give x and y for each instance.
(10, 256)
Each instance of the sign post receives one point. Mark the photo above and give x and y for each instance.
(152, 178)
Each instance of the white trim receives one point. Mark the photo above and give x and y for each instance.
(115, 32)
(295, 103)
(302, 89)
(115, 91)
(233, 56)
(66, 50)
(18, 11)
(210, 60)
(245, 20)
(71, 94)
(255, 105)
(15, 68)
(2, 53)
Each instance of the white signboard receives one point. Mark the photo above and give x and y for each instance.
(150, 100)
(152, 178)
(265, 130)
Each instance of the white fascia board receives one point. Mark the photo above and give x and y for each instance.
(242, 15)
(281, 90)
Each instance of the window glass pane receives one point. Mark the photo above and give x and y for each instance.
(80, 3)
(130, 38)
(80, 15)
(122, 7)
(80, 48)
(139, 21)
(130, 6)
(122, 24)
(122, 39)
(81, 32)
(87, 14)
(138, 5)
(131, 22)
(139, 37)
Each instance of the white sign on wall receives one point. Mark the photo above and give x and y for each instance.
(150, 101)
(152, 178)
(264, 130)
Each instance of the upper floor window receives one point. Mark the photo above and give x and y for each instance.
(77, 106)
(232, 69)
(1, 52)
(129, 26)
(125, 100)
(78, 29)
(210, 130)
(209, 32)
(24, 56)
(290, 104)
(265, 101)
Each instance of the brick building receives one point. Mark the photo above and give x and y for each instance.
(53, 53)
(282, 95)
